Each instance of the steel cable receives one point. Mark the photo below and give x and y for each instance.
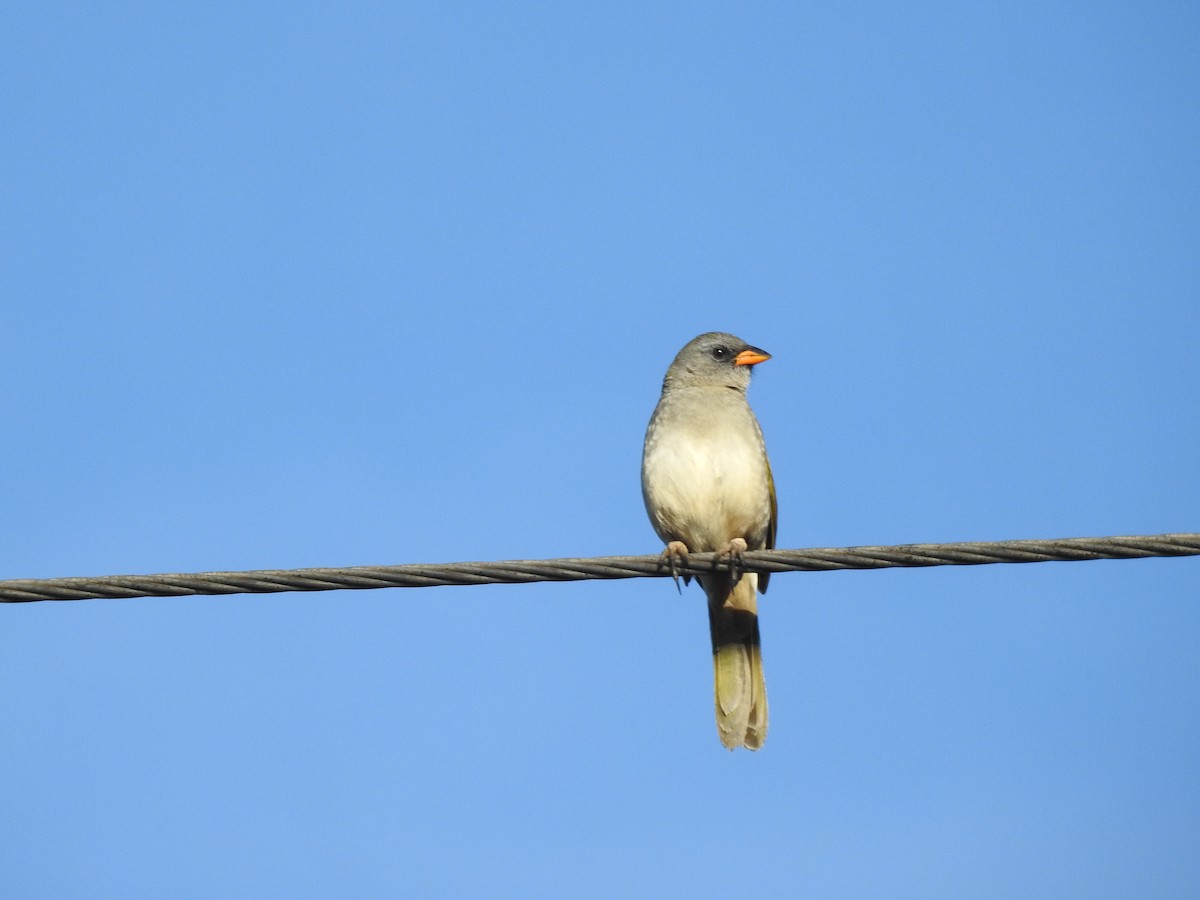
(970, 553)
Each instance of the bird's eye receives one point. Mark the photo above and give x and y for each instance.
(720, 354)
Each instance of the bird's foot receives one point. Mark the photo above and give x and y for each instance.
(676, 553)
(732, 552)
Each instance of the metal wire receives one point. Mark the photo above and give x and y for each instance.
(530, 570)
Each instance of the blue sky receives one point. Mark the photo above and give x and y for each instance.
(317, 285)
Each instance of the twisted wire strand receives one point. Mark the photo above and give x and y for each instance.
(970, 553)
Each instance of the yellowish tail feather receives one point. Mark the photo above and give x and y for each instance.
(739, 689)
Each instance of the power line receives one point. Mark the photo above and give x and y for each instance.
(531, 570)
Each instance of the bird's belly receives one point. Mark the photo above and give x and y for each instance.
(706, 493)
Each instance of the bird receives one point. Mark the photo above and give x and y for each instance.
(707, 485)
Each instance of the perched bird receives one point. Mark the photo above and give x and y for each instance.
(708, 488)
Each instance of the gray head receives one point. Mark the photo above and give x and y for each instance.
(715, 359)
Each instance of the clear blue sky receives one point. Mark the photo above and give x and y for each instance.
(316, 284)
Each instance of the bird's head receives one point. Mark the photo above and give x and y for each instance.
(715, 359)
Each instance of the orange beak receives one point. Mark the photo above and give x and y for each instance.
(751, 356)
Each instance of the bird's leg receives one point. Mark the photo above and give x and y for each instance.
(733, 552)
(676, 553)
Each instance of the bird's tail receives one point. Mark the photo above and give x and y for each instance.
(741, 693)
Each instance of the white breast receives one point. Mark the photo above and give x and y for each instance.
(705, 486)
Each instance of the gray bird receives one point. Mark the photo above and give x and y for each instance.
(708, 488)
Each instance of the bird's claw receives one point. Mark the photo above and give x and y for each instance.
(732, 552)
(675, 553)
